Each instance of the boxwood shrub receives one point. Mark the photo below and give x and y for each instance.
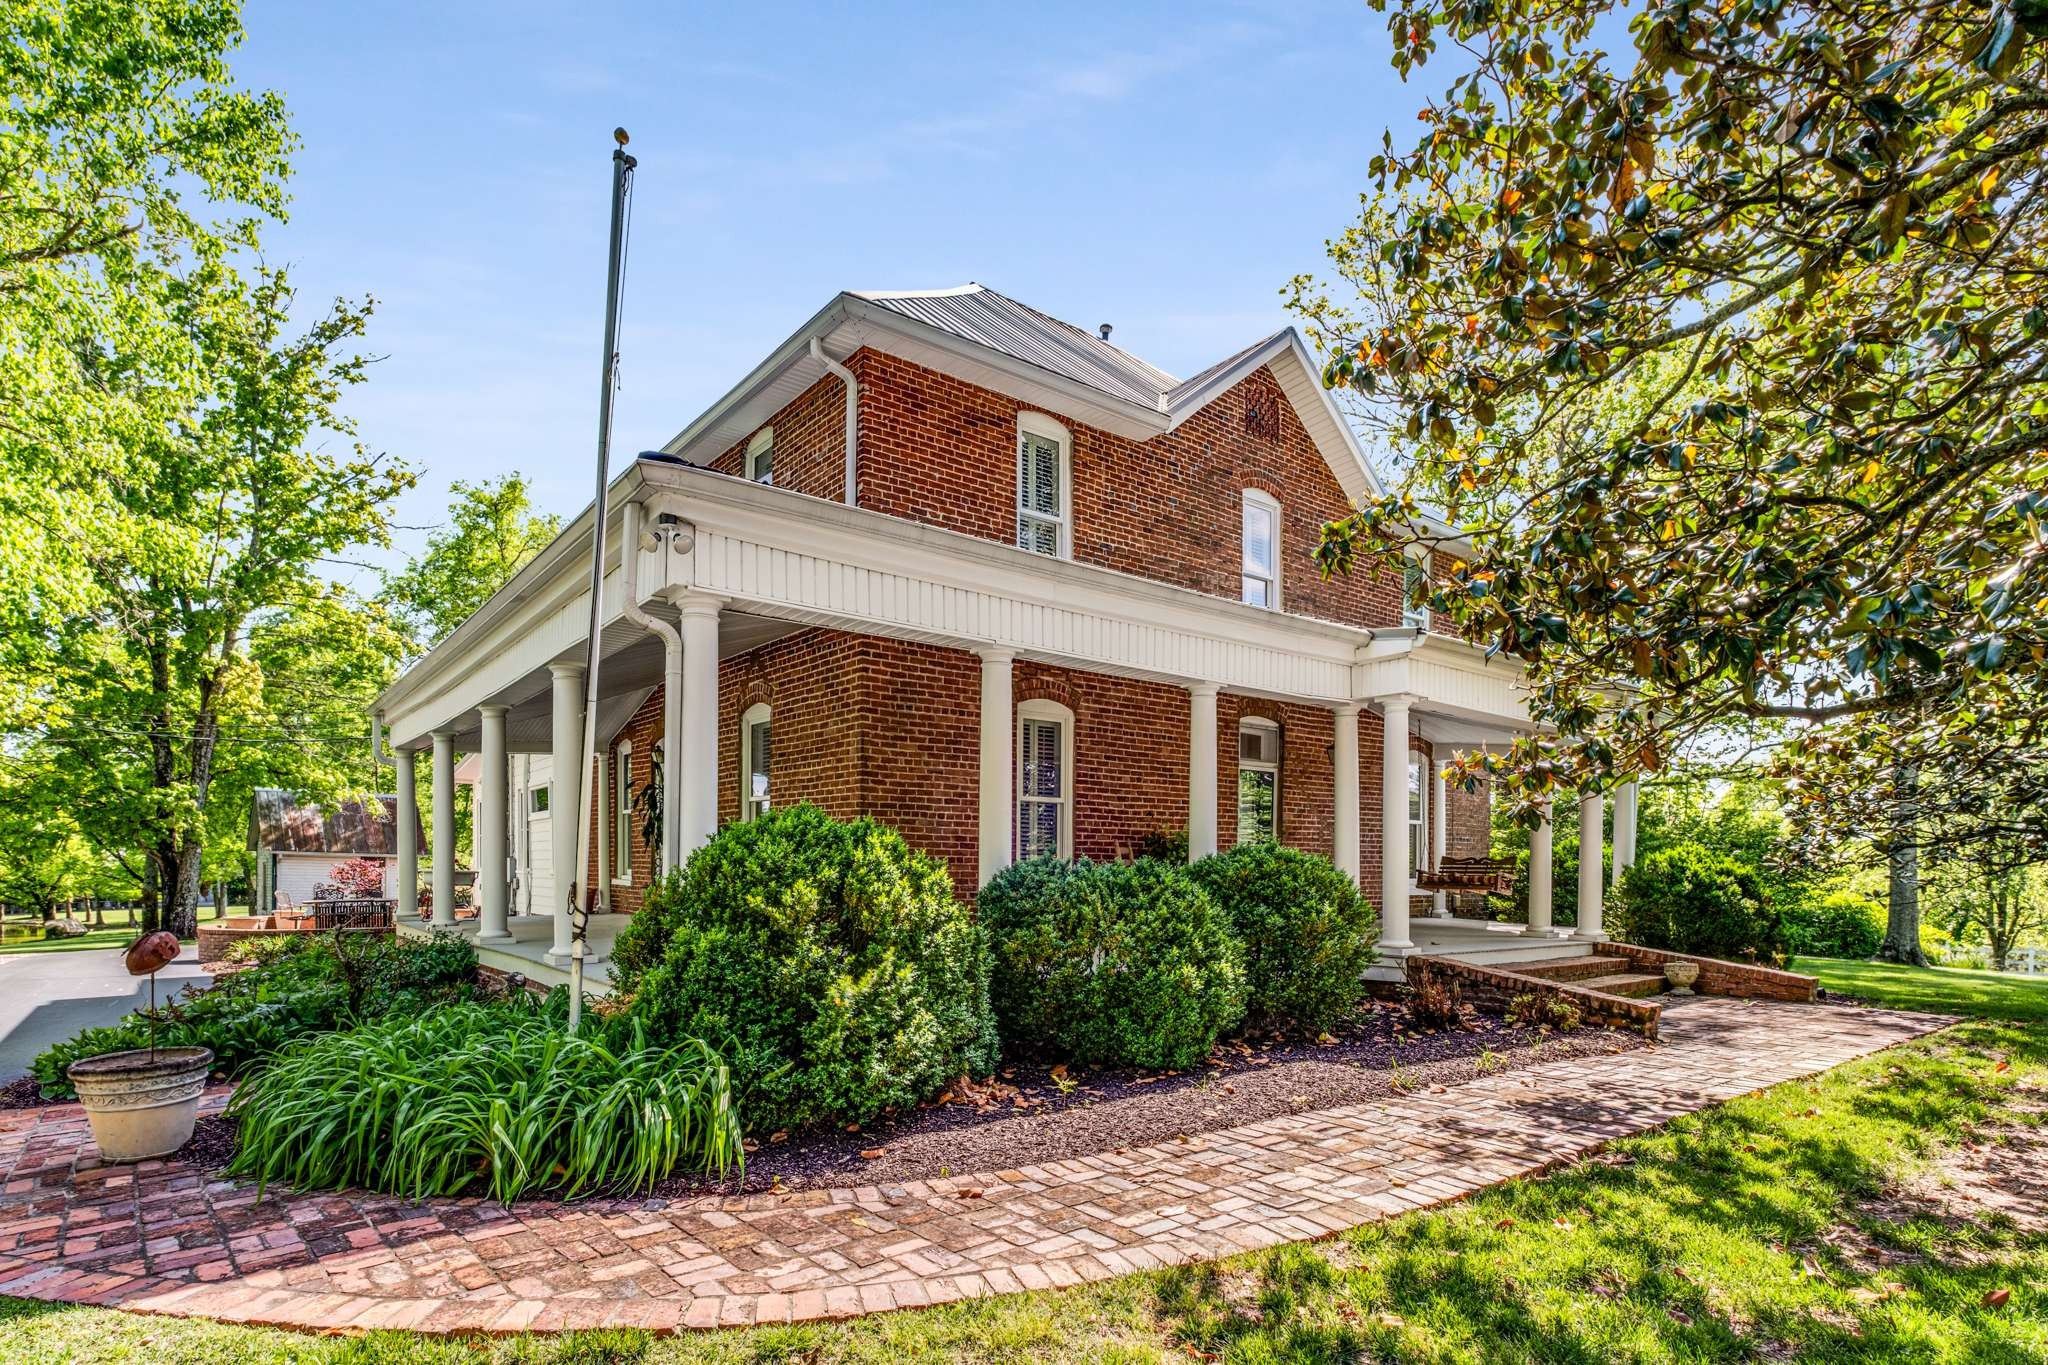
(1308, 934)
(828, 961)
(1688, 899)
(1111, 964)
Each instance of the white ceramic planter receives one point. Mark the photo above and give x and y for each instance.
(142, 1103)
(1681, 975)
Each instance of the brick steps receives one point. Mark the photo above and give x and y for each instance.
(1576, 970)
(1634, 985)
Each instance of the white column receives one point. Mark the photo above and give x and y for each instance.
(1201, 770)
(1624, 828)
(998, 761)
(567, 773)
(408, 838)
(1540, 874)
(494, 892)
(671, 730)
(696, 780)
(1344, 759)
(1394, 825)
(1439, 827)
(444, 830)
(1592, 858)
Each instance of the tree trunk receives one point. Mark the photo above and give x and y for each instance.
(1902, 918)
(151, 907)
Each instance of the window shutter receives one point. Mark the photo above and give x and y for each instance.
(1258, 540)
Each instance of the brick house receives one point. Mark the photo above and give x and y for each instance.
(944, 560)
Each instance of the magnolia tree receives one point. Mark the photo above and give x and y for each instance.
(1728, 351)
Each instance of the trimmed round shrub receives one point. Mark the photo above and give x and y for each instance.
(1689, 899)
(1307, 933)
(828, 962)
(1111, 964)
(1839, 924)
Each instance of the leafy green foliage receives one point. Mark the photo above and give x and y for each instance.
(1838, 924)
(1307, 933)
(486, 1098)
(1728, 351)
(1688, 899)
(312, 987)
(828, 960)
(1111, 964)
(493, 530)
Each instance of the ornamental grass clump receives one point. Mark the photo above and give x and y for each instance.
(828, 959)
(494, 1099)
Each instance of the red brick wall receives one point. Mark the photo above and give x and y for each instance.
(938, 450)
(866, 725)
(643, 731)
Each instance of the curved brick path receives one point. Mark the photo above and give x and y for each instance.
(163, 1237)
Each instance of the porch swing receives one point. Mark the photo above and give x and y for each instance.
(1468, 876)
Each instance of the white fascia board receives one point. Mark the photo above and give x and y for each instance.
(1446, 677)
(777, 552)
(1302, 381)
(730, 412)
(514, 619)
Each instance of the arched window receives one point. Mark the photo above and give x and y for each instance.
(622, 812)
(1258, 780)
(1045, 780)
(761, 456)
(755, 751)
(1044, 498)
(1261, 549)
(1415, 592)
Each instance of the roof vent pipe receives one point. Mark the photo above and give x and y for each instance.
(1102, 330)
(852, 417)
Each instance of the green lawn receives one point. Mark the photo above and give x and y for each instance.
(1749, 1231)
(25, 934)
(1939, 990)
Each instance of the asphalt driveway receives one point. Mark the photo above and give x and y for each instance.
(46, 997)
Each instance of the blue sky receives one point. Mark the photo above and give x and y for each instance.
(1163, 168)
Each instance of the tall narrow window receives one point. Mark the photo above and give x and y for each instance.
(761, 456)
(1045, 760)
(1418, 813)
(1261, 549)
(754, 761)
(622, 812)
(1258, 781)
(1042, 494)
(1415, 593)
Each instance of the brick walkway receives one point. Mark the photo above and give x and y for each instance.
(163, 1237)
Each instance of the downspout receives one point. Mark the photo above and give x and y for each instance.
(852, 417)
(672, 684)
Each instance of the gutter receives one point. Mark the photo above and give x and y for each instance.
(672, 674)
(852, 417)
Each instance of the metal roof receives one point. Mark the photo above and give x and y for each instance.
(979, 314)
(279, 824)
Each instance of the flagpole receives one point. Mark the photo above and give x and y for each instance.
(581, 898)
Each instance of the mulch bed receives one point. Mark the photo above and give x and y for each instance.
(22, 1093)
(1035, 1113)
(1029, 1117)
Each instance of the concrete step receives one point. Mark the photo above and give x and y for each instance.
(1634, 984)
(1513, 952)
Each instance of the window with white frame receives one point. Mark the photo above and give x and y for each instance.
(1258, 780)
(754, 761)
(622, 811)
(537, 799)
(1415, 593)
(1261, 549)
(761, 456)
(1418, 813)
(1044, 499)
(1045, 768)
